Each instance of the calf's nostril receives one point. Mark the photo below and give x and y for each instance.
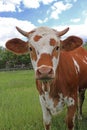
(39, 72)
(44, 73)
(44, 70)
(51, 71)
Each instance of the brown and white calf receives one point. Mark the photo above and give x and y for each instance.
(60, 69)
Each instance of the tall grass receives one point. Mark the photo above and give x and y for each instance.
(19, 104)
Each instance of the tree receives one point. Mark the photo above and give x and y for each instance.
(85, 45)
(10, 60)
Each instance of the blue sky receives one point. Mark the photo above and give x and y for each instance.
(29, 14)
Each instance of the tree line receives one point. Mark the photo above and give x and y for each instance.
(10, 60)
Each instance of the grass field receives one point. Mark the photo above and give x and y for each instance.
(19, 104)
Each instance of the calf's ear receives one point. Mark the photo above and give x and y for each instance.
(71, 43)
(17, 46)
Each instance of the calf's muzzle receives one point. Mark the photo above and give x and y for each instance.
(45, 73)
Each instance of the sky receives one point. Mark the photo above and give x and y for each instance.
(30, 14)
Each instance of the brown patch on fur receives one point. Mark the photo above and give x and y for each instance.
(39, 87)
(70, 117)
(55, 53)
(52, 42)
(45, 59)
(33, 53)
(37, 38)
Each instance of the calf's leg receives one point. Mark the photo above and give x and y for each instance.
(46, 115)
(70, 119)
(80, 103)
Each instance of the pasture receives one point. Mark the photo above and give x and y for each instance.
(19, 104)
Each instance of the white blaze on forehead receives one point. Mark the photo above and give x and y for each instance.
(43, 44)
(44, 31)
(41, 39)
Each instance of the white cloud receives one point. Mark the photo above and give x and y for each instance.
(31, 3)
(70, 1)
(77, 30)
(75, 20)
(36, 3)
(58, 8)
(42, 21)
(47, 1)
(8, 31)
(14, 5)
(10, 5)
(75, 0)
(84, 13)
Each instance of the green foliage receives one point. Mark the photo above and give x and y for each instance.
(19, 104)
(10, 60)
(85, 45)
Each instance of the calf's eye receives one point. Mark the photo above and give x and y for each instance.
(57, 48)
(30, 49)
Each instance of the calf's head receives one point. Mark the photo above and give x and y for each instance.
(44, 46)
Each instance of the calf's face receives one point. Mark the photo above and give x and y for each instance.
(44, 46)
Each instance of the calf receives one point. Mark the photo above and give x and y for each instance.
(60, 69)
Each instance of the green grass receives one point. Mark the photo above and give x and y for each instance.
(19, 104)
